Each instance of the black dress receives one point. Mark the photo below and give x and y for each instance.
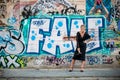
(80, 44)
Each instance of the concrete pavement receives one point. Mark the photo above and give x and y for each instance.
(61, 74)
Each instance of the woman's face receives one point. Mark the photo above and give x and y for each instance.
(82, 28)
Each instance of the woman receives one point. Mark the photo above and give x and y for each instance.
(82, 38)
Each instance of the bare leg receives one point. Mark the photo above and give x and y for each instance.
(72, 65)
(82, 66)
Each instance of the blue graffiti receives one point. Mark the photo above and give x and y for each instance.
(9, 43)
(91, 45)
(12, 20)
(60, 23)
(98, 22)
(58, 34)
(12, 48)
(52, 41)
(33, 37)
(49, 45)
(38, 23)
(55, 29)
(76, 24)
(92, 34)
(68, 58)
(1, 40)
(93, 60)
(66, 45)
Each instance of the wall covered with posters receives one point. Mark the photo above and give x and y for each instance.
(32, 32)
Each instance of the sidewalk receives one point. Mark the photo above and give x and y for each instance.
(61, 74)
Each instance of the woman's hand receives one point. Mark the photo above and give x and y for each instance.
(85, 41)
(78, 49)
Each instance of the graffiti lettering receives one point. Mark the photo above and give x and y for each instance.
(93, 60)
(96, 24)
(2, 61)
(107, 60)
(56, 32)
(10, 61)
(54, 60)
(68, 58)
(10, 42)
(35, 35)
(91, 45)
(38, 23)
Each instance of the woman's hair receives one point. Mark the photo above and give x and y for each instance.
(82, 25)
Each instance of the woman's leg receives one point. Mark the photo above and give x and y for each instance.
(83, 59)
(82, 66)
(72, 65)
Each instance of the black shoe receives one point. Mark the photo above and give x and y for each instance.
(81, 70)
(70, 70)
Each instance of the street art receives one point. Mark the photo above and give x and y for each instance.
(38, 27)
(50, 4)
(68, 58)
(97, 4)
(103, 59)
(67, 11)
(42, 5)
(118, 58)
(115, 10)
(107, 59)
(115, 13)
(44, 36)
(12, 20)
(10, 42)
(8, 15)
(3, 11)
(99, 7)
(92, 60)
(27, 12)
(54, 60)
(11, 61)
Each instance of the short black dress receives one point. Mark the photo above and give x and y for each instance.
(80, 44)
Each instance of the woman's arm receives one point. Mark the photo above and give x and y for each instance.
(88, 38)
(77, 40)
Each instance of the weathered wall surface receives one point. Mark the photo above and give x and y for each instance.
(32, 32)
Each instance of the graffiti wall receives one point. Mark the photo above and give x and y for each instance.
(33, 32)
